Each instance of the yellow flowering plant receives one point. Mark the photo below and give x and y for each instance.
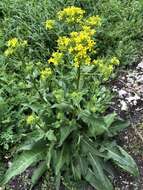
(66, 108)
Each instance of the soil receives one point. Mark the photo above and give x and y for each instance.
(129, 105)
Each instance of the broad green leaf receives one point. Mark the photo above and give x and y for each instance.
(89, 146)
(92, 179)
(102, 182)
(65, 132)
(35, 140)
(38, 173)
(96, 125)
(22, 162)
(122, 159)
(118, 126)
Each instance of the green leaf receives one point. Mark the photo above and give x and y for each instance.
(58, 181)
(76, 170)
(63, 106)
(22, 162)
(60, 161)
(51, 136)
(35, 140)
(49, 154)
(65, 132)
(83, 165)
(118, 126)
(61, 158)
(109, 119)
(122, 159)
(89, 146)
(38, 173)
(96, 125)
(92, 179)
(102, 182)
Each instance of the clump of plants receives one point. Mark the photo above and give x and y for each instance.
(67, 130)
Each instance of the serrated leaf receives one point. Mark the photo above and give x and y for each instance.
(35, 140)
(122, 159)
(65, 132)
(22, 162)
(89, 146)
(91, 177)
(102, 182)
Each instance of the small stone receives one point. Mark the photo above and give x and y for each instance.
(122, 93)
(140, 65)
(124, 106)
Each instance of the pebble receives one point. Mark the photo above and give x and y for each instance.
(140, 65)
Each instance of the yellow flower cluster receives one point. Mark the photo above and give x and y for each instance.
(79, 45)
(49, 24)
(13, 44)
(31, 119)
(93, 21)
(47, 72)
(71, 14)
(106, 68)
(63, 43)
(115, 61)
(56, 58)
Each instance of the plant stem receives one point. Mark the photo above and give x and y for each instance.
(78, 77)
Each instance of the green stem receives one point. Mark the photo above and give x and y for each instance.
(78, 77)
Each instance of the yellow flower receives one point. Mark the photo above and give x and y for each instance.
(63, 42)
(91, 44)
(93, 21)
(56, 58)
(46, 73)
(12, 42)
(76, 62)
(87, 60)
(115, 61)
(49, 24)
(8, 52)
(71, 14)
(74, 34)
(31, 119)
(89, 30)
